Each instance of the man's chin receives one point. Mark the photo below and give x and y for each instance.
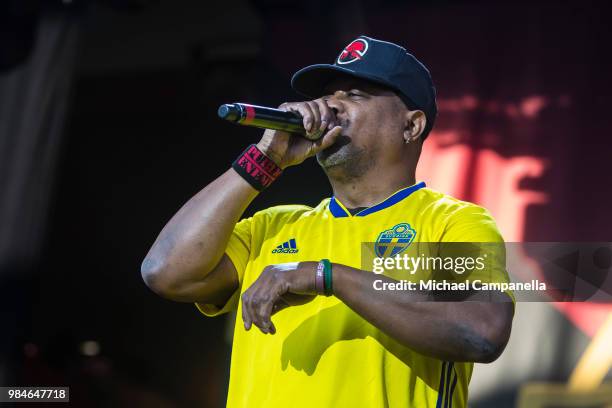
(330, 158)
(335, 154)
(346, 161)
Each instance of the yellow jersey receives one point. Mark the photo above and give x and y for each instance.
(324, 354)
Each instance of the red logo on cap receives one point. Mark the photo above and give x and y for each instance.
(353, 52)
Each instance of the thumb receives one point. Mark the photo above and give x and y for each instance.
(327, 140)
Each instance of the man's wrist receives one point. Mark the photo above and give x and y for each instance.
(265, 149)
(323, 278)
(256, 168)
(320, 278)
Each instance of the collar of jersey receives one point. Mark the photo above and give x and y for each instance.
(339, 210)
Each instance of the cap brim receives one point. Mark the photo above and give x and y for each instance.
(312, 80)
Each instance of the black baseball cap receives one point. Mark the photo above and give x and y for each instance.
(380, 62)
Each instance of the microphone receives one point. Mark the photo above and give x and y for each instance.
(262, 117)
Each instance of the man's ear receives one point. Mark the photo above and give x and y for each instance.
(414, 125)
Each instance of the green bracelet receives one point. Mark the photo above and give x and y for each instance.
(327, 276)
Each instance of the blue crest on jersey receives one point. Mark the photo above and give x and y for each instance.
(394, 240)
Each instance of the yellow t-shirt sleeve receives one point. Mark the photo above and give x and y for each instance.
(238, 250)
(475, 224)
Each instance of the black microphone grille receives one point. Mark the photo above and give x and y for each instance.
(229, 111)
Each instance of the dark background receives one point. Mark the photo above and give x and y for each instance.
(140, 136)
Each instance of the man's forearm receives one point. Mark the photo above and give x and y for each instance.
(194, 240)
(190, 246)
(456, 331)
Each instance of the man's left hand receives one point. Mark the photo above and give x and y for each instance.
(278, 286)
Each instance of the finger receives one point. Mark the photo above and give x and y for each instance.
(260, 294)
(305, 111)
(328, 118)
(246, 315)
(327, 140)
(264, 313)
(257, 308)
(268, 293)
(316, 117)
(258, 321)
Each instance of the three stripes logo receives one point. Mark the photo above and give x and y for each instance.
(287, 247)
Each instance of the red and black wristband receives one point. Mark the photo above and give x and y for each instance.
(256, 168)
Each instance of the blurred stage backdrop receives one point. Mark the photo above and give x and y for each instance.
(108, 124)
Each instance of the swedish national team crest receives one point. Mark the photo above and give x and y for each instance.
(394, 240)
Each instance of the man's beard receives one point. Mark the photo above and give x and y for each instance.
(344, 160)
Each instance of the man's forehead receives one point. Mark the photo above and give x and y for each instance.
(347, 83)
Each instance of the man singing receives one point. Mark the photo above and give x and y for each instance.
(323, 336)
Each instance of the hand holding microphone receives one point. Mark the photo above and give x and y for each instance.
(262, 117)
(314, 120)
(292, 121)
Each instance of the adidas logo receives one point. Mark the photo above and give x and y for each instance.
(287, 247)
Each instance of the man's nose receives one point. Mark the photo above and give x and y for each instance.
(335, 102)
